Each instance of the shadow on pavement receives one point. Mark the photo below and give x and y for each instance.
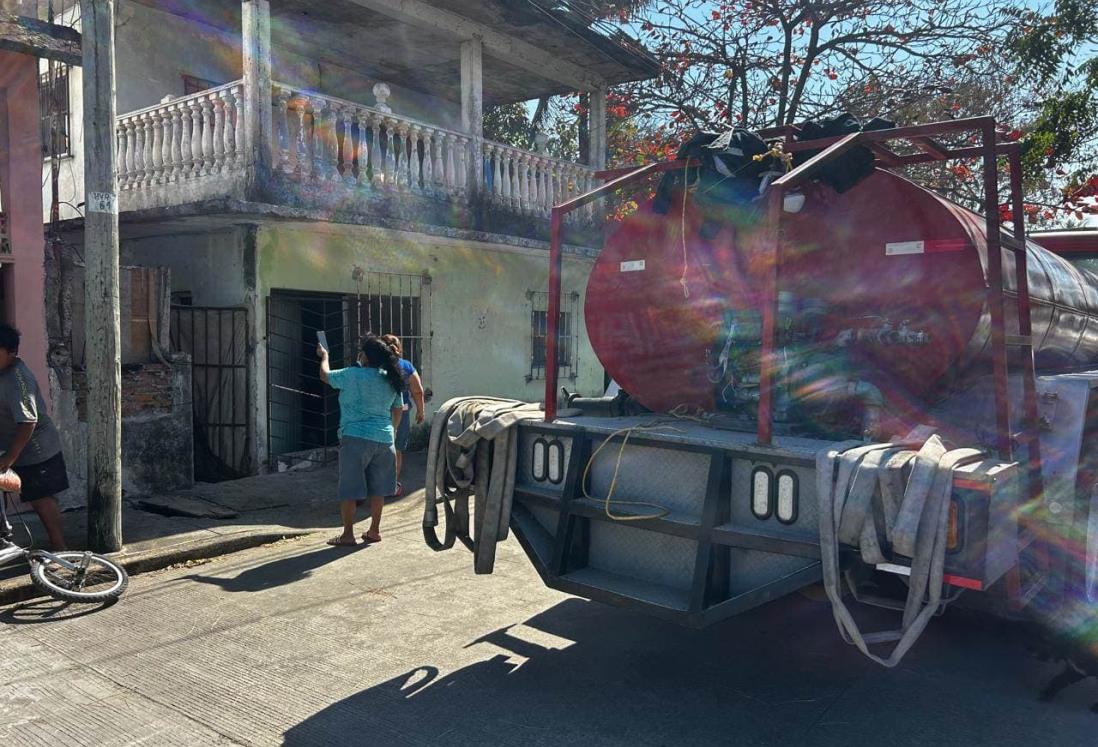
(49, 610)
(582, 673)
(294, 500)
(280, 572)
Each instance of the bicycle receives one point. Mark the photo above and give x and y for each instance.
(68, 575)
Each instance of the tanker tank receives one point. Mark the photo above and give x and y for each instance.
(882, 304)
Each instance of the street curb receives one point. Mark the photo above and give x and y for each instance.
(20, 588)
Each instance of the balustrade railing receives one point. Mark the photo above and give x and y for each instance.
(329, 139)
(323, 139)
(191, 136)
(531, 182)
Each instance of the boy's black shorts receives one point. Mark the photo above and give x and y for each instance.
(44, 479)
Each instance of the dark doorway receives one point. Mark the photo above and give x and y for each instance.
(216, 339)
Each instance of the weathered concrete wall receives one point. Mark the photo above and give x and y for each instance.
(214, 267)
(476, 306)
(155, 49)
(157, 438)
(303, 73)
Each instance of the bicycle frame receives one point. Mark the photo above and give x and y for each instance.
(10, 551)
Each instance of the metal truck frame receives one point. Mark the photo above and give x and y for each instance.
(554, 520)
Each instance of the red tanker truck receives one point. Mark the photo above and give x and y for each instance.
(831, 374)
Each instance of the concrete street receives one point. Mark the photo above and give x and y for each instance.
(392, 644)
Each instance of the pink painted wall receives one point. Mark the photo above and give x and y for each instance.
(21, 177)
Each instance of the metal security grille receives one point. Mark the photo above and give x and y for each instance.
(53, 105)
(393, 303)
(5, 235)
(216, 339)
(539, 327)
(302, 412)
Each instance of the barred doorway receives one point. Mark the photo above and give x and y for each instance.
(303, 412)
(216, 339)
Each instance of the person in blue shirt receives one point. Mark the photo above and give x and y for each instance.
(371, 405)
(413, 392)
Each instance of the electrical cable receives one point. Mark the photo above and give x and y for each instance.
(679, 412)
(595, 24)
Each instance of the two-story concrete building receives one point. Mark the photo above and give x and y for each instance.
(301, 166)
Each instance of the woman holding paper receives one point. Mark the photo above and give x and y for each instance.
(371, 404)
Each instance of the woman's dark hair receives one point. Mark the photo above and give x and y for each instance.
(9, 338)
(380, 355)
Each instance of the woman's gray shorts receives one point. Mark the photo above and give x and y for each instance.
(366, 469)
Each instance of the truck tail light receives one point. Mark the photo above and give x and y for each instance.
(762, 485)
(539, 462)
(787, 489)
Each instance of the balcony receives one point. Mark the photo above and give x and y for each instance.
(329, 154)
(390, 131)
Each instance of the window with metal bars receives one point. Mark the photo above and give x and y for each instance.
(5, 236)
(54, 111)
(539, 330)
(192, 84)
(397, 304)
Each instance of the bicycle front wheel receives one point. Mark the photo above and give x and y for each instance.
(78, 577)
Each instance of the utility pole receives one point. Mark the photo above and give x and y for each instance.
(101, 283)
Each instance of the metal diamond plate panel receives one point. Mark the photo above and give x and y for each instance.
(545, 517)
(751, 569)
(639, 553)
(673, 479)
(807, 524)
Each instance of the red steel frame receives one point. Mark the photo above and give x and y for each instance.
(931, 150)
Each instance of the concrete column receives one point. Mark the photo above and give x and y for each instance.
(258, 96)
(101, 286)
(596, 123)
(472, 105)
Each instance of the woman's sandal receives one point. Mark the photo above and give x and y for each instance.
(370, 540)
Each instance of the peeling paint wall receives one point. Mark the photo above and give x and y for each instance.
(157, 434)
(212, 266)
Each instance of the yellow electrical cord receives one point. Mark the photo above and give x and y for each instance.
(680, 412)
(777, 152)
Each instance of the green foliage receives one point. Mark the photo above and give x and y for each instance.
(508, 124)
(1056, 56)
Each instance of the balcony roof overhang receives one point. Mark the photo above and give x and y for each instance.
(531, 49)
(39, 39)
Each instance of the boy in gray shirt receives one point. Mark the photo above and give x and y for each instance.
(29, 440)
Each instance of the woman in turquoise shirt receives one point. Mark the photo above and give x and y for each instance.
(371, 404)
